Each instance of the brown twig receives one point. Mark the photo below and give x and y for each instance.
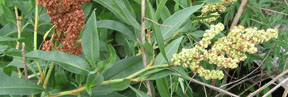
(167, 26)
(252, 86)
(239, 13)
(24, 61)
(205, 91)
(266, 85)
(241, 78)
(210, 86)
(214, 88)
(256, 21)
(274, 88)
(268, 10)
(239, 83)
(18, 18)
(143, 6)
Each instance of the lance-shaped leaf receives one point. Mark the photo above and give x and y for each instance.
(15, 86)
(90, 40)
(176, 20)
(170, 49)
(69, 62)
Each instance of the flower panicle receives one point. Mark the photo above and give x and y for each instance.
(226, 52)
(208, 8)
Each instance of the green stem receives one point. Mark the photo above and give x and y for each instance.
(35, 37)
(40, 71)
(48, 75)
(47, 78)
(110, 81)
(75, 91)
(36, 23)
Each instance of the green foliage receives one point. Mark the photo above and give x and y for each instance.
(90, 41)
(15, 86)
(111, 64)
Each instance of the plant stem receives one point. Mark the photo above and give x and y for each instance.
(239, 13)
(70, 92)
(24, 61)
(40, 71)
(111, 81)
(35, 38)
(143, 34)
(47, 78)
(36, 23)
(48, 75)
(19, 35)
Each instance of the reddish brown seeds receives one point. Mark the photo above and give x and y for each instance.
(68, 18)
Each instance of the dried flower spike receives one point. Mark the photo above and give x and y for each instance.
(68, 18)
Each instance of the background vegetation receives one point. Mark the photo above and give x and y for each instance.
(115, 68)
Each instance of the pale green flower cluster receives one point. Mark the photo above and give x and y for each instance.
(207, 8)
(191, 57)
(226, 52)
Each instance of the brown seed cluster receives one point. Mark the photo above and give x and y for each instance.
(68, 18)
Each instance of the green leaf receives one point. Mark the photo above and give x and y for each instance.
(164, 13)
(93, 79)
(15, 86)
(124, 68)
(197, 34)
(141, 93)
(3, 48)
(119, 9)
(160, 7)
(113, 57)
(2, 2)
(163, 87)
(212, 1)
(60, 76)
(114, 25)
(13, 52)
(156, 74)
(69, 62)
(171, 49)
(106, 89)
(90, 40)
(2, 38)
(157, 33)
(177, 19)
(17, 62)
(110, 95)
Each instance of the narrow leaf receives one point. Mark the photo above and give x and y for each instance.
(124, 68)
(176, 20)
(163, 87)
(141, 93)
(69, 62)
(113, 56)
(93, 79)
(90, 40)
(2, 38)
(157, 33)
(170, 49)
(15, 86)
(114, 25)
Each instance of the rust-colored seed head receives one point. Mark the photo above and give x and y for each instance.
(68, 18)
(47, 45)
